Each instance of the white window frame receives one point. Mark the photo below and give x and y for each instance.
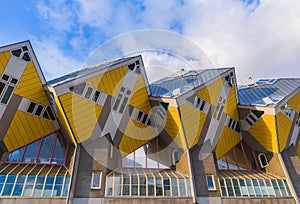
(213, 180)
(100, 180)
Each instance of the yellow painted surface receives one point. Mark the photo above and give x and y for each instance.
(227, 141)
(81, 114)
(231, 108)
(4, 58)
(212, 92)
(283, 129)
(139, 98)
(294, 102)
(298, 149)
(110, 81)
(264, 131)
(63, 120)
(135, 135)
(192, 121)
(30, 86)
(174, 128)
(26, 128)
(130, 144)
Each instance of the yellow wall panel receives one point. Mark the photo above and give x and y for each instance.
(81, 114)
(129, 144)
(110, 81)
(227, 141)
(264, 131)
(231, 108)
(139, 98)
(294, 102)
(30, 86)
(4, 58)
(174, 128)
(192, 121)
(298, 149)
(283, 126)
(211, 92)
(26, 128)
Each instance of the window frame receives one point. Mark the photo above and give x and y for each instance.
(92, 180)
(213, 181)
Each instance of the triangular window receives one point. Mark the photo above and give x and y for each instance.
(50, 149)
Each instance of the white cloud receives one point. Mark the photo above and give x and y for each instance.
(52, 60)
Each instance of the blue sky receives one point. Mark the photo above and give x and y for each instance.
(259, 38)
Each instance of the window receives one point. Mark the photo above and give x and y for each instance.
(144, 118)
(287, 110)
(263, 161)
(78, 89)
(51, 149)
(122, 99)
(197, 102)
(210, 179)
(175, 157)
(22, 53)
(96, 180)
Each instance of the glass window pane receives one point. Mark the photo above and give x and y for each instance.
(158, 186)
(236, 187)
(59, 149)
(210, 182)
(263, 188)
(134, 185)
(270, 188)
(223, 188)
(109, 186)
(126, 185)
(39, 186)
(140, 158)
(243, 187)
(7, 94)
(19, 185)
(166, 183)
(96, 180)
(96, 96)
(174, 187)
(46, 148)
(29, 185)
(48, 186)
(282, 188)
(287, 188)
(256, 187)
(222, 164)
(250, 187)
(2, 179)
(31, 152)
(229, 187)
(66, 186)
(182, 187)
(58, 186)
(117, 185)
(88, 93)
(150, 186)
(118, 100)
(123, 105)
(16, 155)
(276, 188)
(39, 110)
(143, 186)
(78, 89)
(31, 107)
(9, 185)
(2, 85)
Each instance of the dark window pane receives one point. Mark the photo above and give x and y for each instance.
(276, 188)
(287, 188)
(150, 186)
(46, 148)
(14, 81)
(7, 94)
(145, 118)
(39, 110)
(26, 57)
(139, 116)
(236, 187)
(210, 182)
(229, 187)
(243, 187)
(60, 149)
(270, 188)
(5, 77)
(88, 93)
(256, 187)
(158, 186)
(118, 100)
(16, 155)
(263, 187)
(78, 89)
(223, 189)
(123, 105)
(31, 151)
(9, 185)
(202, 105)
(96, 96)
(142, 186)
(17, 52)
(134, 186)
(24, 48)
(281, 187)
(2, 85)
(167, 187)
(50, 113)
(31, 107)
(45, 115)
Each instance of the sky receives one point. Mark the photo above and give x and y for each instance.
(260, 38)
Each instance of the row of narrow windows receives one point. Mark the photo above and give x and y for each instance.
(254, 187)
(156, 184)
(40, 111)
(22, 53)
(197, 102)
(234, 125)
(7, 87)
(144, 118)
(86, 92)
(32, 185)
(253, 117)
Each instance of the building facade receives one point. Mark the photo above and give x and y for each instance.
(103, 134)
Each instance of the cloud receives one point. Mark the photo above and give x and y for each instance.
(259, 38)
